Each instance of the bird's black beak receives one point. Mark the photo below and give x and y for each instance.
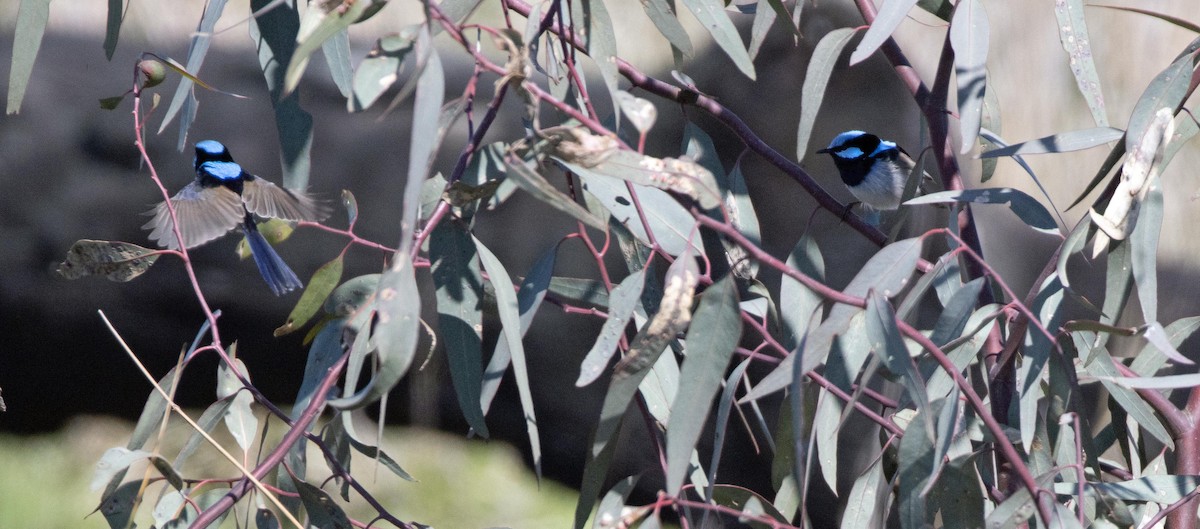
(824, 151)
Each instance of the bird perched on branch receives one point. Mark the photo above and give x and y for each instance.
(875, 170)
(223, 196)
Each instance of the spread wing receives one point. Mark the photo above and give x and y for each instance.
(204, 214)
(265, 199)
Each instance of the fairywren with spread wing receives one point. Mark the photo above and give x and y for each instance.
(874, 170)
(223, 196)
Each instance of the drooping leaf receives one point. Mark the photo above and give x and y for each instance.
(208, 423)
(797, 303)
(184, 98)
(509, 307)
(118, 261)
(816, 80)
(887, 343)
(534, 184)
(724, 407)
(239, 418)
(167, 472)
(1073, 33)
(670, 223)
(662, 14)
(1167, 90)
(613, 503)
(1029, 210)
(712, 15)
(764, 18)
(714, 334)
(915, 470)
(459, 292)
(27, 39)
(891, 14)
(591, 23)
(969, 34)
(274, 34)
(863, 504)
(624, 299)
(112, 27)
(1144, 243)
(322, 283)
(337, 57)
(533, 290)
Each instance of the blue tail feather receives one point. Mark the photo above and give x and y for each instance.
(278, 276)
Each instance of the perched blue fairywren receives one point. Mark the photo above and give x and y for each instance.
(874, 170)
(223, 196)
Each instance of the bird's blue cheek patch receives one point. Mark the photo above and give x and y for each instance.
(849, 153)
(222, 170)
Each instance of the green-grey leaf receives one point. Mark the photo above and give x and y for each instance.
(114, 460)
(969, 34)
(1075, 140)
(1029, 210)
(764, 18)
(670, 223)
(459, 291)
(509, 308)
(591, 21)
(890, 15)
(712, 15)
(184, 98)
(797, 303)
(337, 56)
(27, 39)
(533, 290)
(1144, 243)
(398, 306)
(816, 80)
(1151, 359)
(624, 299)
(1164, 489)
(662, 14)
(887, 343)
(239, 418)
(915, 468)
(381, 68)
(1073, 33)
(321, 23)
(322, 511)
(1167, 89)
(533, 183)
(714, 334)
(866, 495)
(112, 28)
(274, 34)
(614, 501)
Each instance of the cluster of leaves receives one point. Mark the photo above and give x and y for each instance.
(989, 427)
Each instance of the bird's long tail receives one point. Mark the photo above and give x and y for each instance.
(278, 276)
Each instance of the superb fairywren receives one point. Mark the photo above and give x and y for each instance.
(874, 170)
(223, 196)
